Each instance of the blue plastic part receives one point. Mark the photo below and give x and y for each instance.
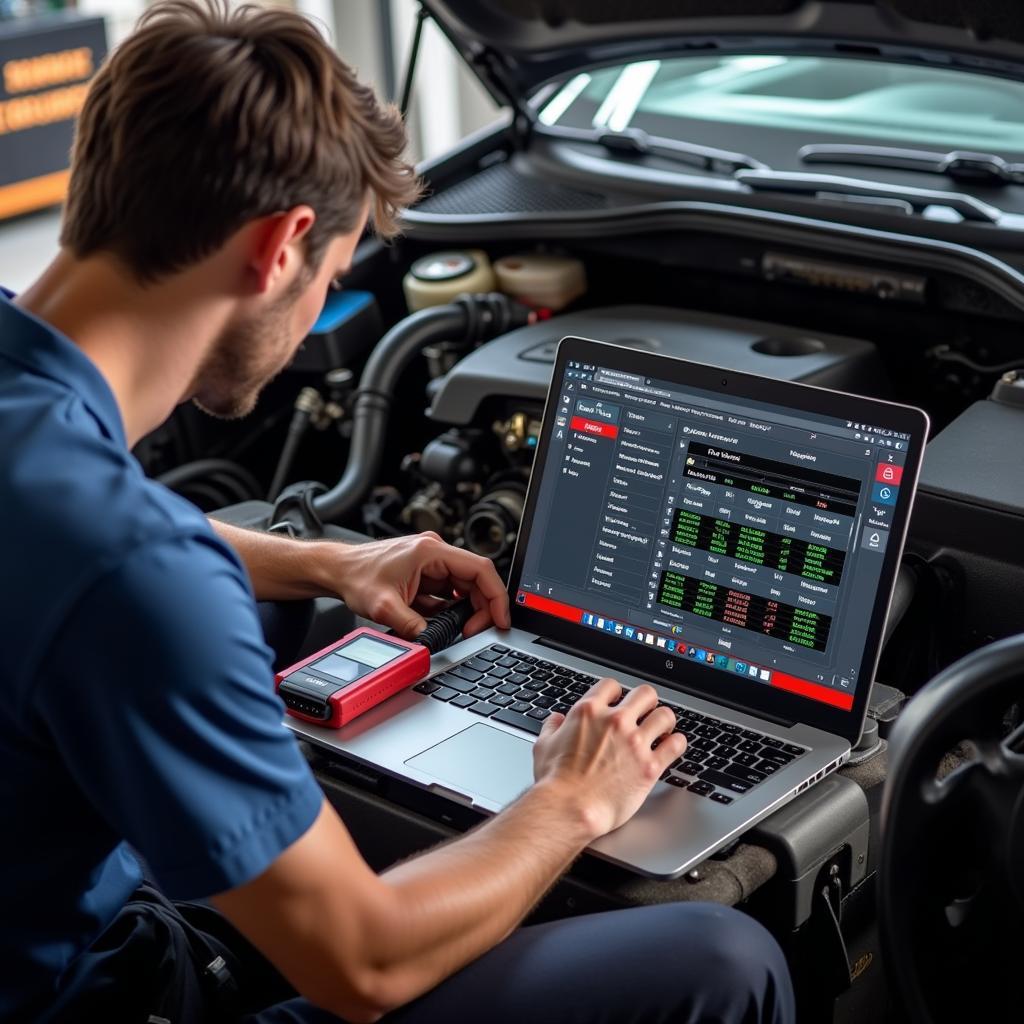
(339, 307)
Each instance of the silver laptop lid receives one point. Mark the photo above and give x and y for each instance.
(726, 535)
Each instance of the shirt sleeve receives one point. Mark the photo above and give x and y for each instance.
(159, 697)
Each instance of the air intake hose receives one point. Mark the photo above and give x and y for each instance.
(468, 318)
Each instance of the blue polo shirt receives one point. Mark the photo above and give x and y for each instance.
(136, 693)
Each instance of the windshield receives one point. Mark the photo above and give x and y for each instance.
(744, 102)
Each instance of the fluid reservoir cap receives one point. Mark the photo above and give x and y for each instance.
(443, 266)
(1009, 389)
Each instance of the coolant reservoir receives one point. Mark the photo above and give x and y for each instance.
(541, 280)
(436, 279)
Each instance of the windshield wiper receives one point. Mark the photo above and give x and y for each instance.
(826, 185)
(760, 177)
(636, 142)
(960, 165)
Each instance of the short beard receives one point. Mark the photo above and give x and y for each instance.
(245, 358)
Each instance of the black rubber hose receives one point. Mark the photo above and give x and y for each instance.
(471, 317)
(190, 471)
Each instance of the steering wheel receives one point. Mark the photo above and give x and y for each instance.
(951, 878)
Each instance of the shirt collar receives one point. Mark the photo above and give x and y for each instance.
(41, 348)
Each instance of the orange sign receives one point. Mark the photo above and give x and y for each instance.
(44, 76)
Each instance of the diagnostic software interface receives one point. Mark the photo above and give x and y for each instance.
(744, 536)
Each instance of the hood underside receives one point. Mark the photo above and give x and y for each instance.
(517, 45)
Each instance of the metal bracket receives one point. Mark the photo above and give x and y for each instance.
(828, 824)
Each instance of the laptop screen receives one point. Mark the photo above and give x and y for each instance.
(744, 537)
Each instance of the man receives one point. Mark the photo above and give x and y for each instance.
(224, 168)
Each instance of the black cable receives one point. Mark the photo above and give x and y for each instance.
(308, 402)
(232, 487)
(444, 628)
(944, 354)
(203, 494)
(233, 447)
(180, 475)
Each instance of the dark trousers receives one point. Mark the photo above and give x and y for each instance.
(676, 963)
(671, 964)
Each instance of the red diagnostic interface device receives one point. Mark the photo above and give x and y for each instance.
(351, 676)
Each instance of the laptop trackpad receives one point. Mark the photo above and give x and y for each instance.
(480, 761)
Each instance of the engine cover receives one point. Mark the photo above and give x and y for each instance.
(518, 365)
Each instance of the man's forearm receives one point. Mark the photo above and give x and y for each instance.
(395, 582)
(460, 900)
(281, 569)
(360, 944)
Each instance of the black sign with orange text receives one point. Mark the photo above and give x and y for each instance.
(45, 67)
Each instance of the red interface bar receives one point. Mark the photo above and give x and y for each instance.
(815, 691)
(781, 680)
(595, 427)
(549, 607)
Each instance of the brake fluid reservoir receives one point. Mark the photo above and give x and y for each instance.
(436, 279)
(541, 280)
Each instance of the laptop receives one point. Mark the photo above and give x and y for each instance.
(730, 539)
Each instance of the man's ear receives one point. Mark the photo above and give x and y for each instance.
(278, 254)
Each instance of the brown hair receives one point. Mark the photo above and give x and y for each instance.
(208, 117)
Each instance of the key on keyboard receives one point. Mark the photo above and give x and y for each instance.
(510, 717)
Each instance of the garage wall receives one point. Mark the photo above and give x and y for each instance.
(447, 105)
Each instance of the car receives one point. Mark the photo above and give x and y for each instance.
(827, 192)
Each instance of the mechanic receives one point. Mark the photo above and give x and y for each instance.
(225, 165)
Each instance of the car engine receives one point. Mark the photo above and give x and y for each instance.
(431, 423)
(470, 481)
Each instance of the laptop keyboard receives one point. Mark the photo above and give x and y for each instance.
(722, 760)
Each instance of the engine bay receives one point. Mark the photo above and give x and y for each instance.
(451, 448)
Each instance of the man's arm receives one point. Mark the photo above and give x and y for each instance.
(393, 582)
(281, 569)
(360, 945)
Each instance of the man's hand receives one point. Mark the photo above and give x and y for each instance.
(398, 582)
(603, 754)
(393, 582)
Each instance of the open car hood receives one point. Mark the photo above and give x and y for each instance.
(517, 45)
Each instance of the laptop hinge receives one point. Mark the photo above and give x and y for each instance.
(567, 649)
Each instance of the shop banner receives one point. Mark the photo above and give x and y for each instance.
(45, 67)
